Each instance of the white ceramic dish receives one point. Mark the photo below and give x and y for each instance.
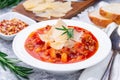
(11, 15)
(102, 52)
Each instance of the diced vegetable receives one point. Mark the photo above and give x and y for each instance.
(64, 57)
(52, 53)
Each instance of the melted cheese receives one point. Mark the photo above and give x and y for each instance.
(54, 37)
(76, 38)
(57, 40)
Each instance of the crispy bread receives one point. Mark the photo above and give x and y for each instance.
(99, 20)
(111, 11)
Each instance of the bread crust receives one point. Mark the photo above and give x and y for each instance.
(102, 23)
(109, 15)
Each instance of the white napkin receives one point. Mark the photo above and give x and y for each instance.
(96, 72)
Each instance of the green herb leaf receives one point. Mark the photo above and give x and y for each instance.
(8, 3)
(68, 31)
(3, 55)
(14, 3)
(11, 63)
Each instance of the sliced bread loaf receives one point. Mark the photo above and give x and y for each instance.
(99, 20)
(111, 11)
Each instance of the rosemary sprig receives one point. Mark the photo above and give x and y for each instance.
(11, 63)
(68, 31)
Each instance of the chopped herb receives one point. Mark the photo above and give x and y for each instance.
(8, 3)
(11, 63)
(68, 31)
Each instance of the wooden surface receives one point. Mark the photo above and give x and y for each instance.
(77, 8)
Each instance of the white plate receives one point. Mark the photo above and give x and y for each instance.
(102, 52)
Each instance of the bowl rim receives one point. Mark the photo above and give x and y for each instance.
(101, 54)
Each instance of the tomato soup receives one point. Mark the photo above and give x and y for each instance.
(79, 51)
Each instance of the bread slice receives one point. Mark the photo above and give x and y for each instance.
(111, 11)
(99, 20)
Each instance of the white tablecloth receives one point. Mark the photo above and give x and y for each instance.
(6, 47)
